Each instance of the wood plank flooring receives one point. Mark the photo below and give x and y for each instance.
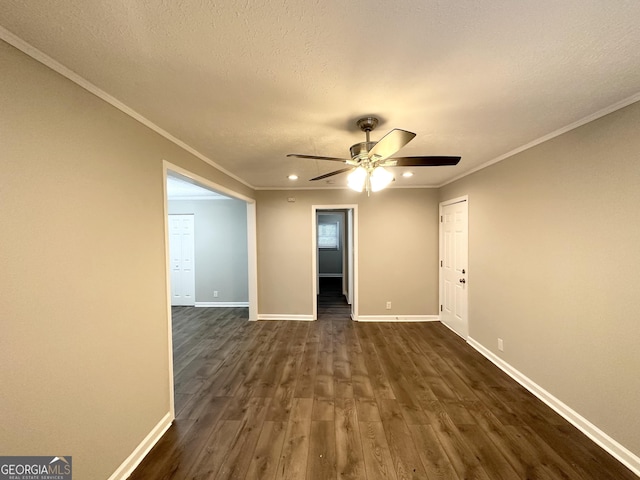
(336, 399)
(332, 304)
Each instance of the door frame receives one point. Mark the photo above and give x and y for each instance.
(353, 251)
(252, 254)
(452, 201)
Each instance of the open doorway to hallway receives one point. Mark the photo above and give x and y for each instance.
(207, 246)
(240, 293)
(335, 266)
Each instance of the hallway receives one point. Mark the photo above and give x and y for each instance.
(332, 304)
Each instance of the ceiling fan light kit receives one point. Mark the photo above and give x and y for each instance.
(368, 159)
(380, 179)
(361, 179)
(357, 179)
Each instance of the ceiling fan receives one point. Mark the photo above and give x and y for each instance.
(368, 158)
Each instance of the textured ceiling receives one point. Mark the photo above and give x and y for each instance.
(245, 83)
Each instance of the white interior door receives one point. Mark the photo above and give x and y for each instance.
(181, 250)
(454, 274)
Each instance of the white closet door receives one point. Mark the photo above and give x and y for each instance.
(181, 250)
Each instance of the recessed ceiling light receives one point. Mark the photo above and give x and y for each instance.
(293, 177)
(407, 174)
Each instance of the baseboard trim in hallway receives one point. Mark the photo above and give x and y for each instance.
(398, 318)
(285, 316)
(222, 304)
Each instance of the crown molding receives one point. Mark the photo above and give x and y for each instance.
(567, 128)
(56, 66)
(279, 189)
(43, 58)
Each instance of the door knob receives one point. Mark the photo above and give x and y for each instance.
(462, 280)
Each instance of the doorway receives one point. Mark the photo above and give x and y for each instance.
(454, 265)
(170, 170)
(334, 261)
(332, 265)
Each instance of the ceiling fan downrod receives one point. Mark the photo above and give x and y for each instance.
(360, 150)
(367, 124)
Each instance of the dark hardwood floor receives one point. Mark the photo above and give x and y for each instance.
(332, 303)
(336, 399)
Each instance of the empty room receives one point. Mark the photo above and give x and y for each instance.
(404, 245)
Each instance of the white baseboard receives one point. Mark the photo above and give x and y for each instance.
(285, 316)
(222, 304)
(622, 454)
(129, 465)
(398, 318)
(454, 331)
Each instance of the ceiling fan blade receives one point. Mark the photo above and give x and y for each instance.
(331, 174)
(430, 161)
(390, 144)
(315, 157)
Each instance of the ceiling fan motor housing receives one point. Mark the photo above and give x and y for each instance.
(361, 148)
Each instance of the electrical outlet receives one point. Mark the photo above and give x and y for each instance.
(388, 305)
(500, 345)
(215, 294)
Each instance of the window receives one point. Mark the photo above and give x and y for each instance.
(328, 236)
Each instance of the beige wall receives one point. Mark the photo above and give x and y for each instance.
(83, 348)
(554, 236)
(397, 248)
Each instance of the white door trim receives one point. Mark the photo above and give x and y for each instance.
(314, 255)
(350, 264)
(167, 258)
(452, 201)
(463, 198)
